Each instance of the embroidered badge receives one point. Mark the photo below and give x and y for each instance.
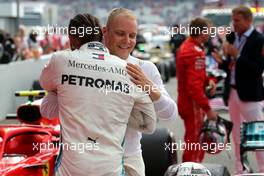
(199, 63)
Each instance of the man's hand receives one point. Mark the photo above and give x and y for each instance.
(212, 86)
(233, 51)
(142, 81)
(225, 47)
(230, 50)
(211, 115)
(217, 56)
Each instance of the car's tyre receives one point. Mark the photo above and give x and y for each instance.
(160, 66)
(172, 67)
(167, 71)
(163, 69)
(156, 158)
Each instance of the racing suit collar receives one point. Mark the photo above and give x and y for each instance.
(95, 46)
(196, 43)
(247, 33)
(129, 58)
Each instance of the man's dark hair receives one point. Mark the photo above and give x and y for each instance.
(197, 26)
(86, 21)
(176, 25)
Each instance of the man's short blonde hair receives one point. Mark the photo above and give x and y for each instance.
(120, 12)
(244, 11)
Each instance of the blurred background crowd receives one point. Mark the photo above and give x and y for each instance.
(20, 18)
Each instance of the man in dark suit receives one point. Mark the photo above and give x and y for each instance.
(244, 65)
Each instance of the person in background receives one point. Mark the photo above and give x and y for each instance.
(56, 41)
(23, 39)
(7, 48)
(176, 39)
(192, 81)
(244, 65)
(33, 45)
(46, 44)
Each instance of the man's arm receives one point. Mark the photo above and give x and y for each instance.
(49, 105)
(224, 59)
(48, 78)
(254, 65)
(143, 116)
(195, 85)
(49, 81)
(164, 105)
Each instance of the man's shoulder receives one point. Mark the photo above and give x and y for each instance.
(190, 50)
(61, 53)
(147, 67)
(191, 47)
(57, 56)
(261, 36)
(114, 59)
(100, 55)
(144, 64)
(257, 35)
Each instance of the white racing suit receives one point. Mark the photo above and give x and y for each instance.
(165, 108)
(95, 100)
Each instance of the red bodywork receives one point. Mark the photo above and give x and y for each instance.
(30, 148)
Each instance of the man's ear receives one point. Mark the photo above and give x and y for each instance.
(104, 30)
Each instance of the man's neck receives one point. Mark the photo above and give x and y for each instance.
(241, 33)
(244, 31)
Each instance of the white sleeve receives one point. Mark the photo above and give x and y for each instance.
(165, 106)
(48, 78)
(49, 105)
(143, 116)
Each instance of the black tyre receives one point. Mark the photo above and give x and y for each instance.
(167, 71)
(160, 66)
(172, 67)
(156, 158)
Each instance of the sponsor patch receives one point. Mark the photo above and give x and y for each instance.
(96, 46)
(199, 63)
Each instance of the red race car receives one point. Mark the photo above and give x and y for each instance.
(29, 148)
